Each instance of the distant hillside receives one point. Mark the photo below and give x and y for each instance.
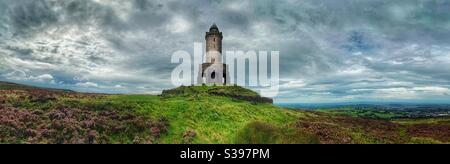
(14, 86)
(189, 115)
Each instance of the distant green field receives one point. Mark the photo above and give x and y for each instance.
(366, 113)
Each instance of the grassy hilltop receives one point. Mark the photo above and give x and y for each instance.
(197, 114)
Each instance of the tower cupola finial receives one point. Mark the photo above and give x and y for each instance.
(214, 26)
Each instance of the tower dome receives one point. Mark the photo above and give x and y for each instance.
(214, 28)
(213, 42)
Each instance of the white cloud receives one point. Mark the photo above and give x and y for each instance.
(87, 85)
(178, 25)
(22, 76)
(43, 78)
(433, 89)
(293, 84)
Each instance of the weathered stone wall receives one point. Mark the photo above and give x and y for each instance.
(214, 42)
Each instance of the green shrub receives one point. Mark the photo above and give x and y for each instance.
(417, 140)
(262, 133)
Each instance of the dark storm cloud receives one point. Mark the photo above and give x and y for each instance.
(31, 15)
(330, 50)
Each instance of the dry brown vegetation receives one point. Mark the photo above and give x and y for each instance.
(343, 129)
(52, 120)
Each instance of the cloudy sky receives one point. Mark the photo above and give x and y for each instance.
(330, 51)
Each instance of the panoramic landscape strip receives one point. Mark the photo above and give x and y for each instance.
(233, 80)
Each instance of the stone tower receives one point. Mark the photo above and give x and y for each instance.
(213, 71)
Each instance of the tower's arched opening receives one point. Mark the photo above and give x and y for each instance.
(213, 75)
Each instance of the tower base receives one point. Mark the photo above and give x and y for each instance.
(213, 74)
